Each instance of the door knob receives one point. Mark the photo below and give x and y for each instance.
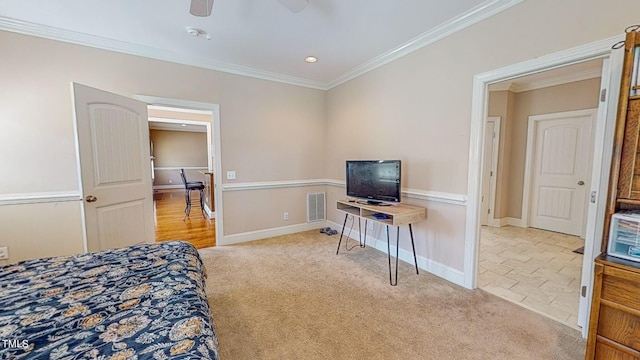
(580, 182)
(91, 198)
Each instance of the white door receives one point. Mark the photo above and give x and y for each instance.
(488, 169)
(112, 137)
(561, 172)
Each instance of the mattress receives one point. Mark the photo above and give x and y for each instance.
(141, 302)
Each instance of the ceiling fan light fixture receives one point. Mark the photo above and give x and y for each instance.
(311, 59)
(201, 8)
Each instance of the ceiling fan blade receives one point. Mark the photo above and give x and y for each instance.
(294, 6)
(201, 7)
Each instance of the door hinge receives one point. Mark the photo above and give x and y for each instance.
(603, 95)
(584, 291)
(491, 173)
(493, 135)
(488, 211)
(593, 197)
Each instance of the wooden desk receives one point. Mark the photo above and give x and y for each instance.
(395, 215)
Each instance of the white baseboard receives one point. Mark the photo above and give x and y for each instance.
(210, 214)
(267, 233)
(507, 221)
(434, 267)
(516, 222)
(168, 187)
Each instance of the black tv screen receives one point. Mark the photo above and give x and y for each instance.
(374, 180)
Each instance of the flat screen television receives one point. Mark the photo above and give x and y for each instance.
(377, 181)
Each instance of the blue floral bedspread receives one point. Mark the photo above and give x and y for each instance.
(142, 302)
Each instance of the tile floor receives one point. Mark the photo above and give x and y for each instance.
(535, 268)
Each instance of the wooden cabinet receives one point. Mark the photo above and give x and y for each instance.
(615, 312)
(614, 324)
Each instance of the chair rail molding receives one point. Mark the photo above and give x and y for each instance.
(39, 197)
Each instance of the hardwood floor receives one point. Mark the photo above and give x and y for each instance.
(169, 211)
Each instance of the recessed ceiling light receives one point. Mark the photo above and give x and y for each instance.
(310, 59)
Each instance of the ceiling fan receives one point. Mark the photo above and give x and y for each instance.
(203, 7)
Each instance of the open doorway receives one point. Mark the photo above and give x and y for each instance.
(546, 152)
(181, 140)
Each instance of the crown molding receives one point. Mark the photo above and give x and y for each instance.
(475, 15)
(559, 80)
(479, 13)
(52, 33)
(518, 87)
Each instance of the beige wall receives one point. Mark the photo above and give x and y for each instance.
(574, 96)
(41, 230)
(269, 130)
(418, 108)
(178, 149)
(514, 110)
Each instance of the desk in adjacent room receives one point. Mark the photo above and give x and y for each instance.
(391, 215)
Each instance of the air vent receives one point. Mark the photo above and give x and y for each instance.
(315, 207)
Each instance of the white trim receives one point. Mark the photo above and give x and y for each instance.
(602, 156)
(47, 32)
(168, 187)
(599, 49)
(425, 195)
(181, 110)
(494, 166)
(268, 233)
(446, 272)
(477, 14)
(560, 80)
(214, 147)
(272, 184)
(39, 197)
(436, 196)
(177, 168)
(460, 22)
(511, 221)
(532, 123)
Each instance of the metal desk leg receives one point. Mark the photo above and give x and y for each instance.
(391, 281)
(364, 244)
(413, 247)
(342, 232)
(360, 231)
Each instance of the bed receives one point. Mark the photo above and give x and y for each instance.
(147, 301)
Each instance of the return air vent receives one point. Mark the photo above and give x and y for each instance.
(315, 207)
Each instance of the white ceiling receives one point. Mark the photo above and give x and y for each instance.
(259, 38)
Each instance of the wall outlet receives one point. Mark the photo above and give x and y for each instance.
(4, 252)
(285, 216)
(231, 175)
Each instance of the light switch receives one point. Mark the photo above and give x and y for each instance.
(231, 175)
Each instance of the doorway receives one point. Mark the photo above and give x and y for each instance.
(180, 141)
(611, 72)
(535, 268)
(212, 123)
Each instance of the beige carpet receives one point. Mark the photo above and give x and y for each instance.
(291, 297)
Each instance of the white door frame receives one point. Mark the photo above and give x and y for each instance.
(215, 153)
(479, 104)
(530, 154)
(491, 219)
